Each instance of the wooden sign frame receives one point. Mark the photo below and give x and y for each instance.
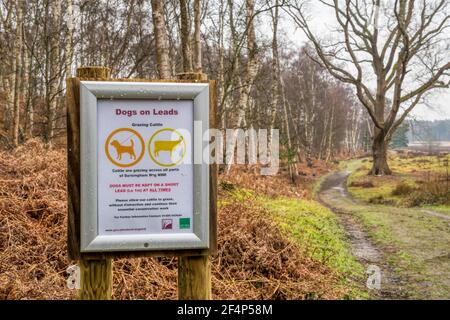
(74, 176)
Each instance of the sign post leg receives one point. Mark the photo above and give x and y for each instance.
(194, 272)
(96, 275)
(194, 278)
(96, 279)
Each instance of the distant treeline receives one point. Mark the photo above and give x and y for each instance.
(437, 130)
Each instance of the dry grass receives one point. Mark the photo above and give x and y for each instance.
(433, 191)
(33, 223)
(254, 262)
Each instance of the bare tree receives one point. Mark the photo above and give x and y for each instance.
(277, 89)
(52, 68)
(402, 44)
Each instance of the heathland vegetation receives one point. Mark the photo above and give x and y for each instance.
(340, 204)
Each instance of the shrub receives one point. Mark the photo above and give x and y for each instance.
(402, 189)
(430, 193)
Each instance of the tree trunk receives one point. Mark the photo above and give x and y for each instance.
(185, 36)
(222, 107)
(379, 154)
(68, 42)
(8, 88)
(161, 42)
(17, 86)
(53, 60)
(24, 89)
(251, 67)
(286, 113)
(29, 107)
(330, 135)
(197, 37)
(275, 67)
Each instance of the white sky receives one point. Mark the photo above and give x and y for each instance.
(323, 20)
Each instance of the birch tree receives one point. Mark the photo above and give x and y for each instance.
(252, 63)
(161, 42)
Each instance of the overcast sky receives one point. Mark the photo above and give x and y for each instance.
(323, 20)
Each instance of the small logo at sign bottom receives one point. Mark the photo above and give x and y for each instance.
(167, 224)
(185, 223)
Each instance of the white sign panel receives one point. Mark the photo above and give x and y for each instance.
(140, 186)
(145, 172)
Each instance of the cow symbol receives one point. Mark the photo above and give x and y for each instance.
(166, 145)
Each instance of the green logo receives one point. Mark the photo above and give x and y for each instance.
(185, 223)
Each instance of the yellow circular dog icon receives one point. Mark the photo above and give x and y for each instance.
(124, 147)
(167, 147)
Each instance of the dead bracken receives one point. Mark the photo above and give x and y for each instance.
(254, 260)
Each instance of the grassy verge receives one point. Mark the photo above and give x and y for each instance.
(317, 186)
(316, 232)
(318, 235)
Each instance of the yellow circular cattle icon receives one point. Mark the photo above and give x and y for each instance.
(167, 147)
(124, 147)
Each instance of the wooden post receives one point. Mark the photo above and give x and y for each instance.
(96, 279)
(194, 278)
(194, 272)
(96, 274)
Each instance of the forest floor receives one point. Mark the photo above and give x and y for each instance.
(409, 245)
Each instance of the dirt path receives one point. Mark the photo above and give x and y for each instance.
(436, 214)
(333, 194)
(410, 247)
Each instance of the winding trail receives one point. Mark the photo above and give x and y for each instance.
(334, 188)
(433, 260)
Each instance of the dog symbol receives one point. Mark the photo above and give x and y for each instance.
(121, 149)
(166, 145)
